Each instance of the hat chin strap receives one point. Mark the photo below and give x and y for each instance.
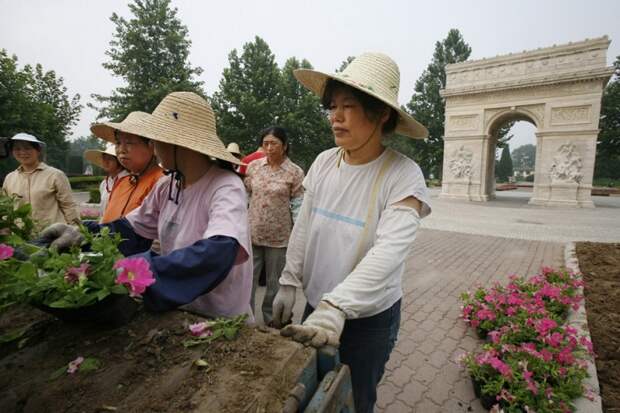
(350, 151)
(177, 179)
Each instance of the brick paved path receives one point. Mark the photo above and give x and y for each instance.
(422, 375)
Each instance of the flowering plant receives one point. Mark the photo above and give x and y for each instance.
(207, 331)
(74, 279)
(532, 361)
(16, 223)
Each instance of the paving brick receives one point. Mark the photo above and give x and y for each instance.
(386, 394)
(412, 393)
(426, 374)
(396, 407)
(427, 406)
(401, 375)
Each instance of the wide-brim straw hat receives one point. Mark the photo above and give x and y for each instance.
(95, 156)
(184, 119)
(131, 124)
(374, 74)
(233, 148)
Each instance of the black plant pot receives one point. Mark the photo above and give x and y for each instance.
(113, 311)
(487, 401)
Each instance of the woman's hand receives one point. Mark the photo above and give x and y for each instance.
(61, 236)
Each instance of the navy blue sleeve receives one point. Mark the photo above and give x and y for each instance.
(187, 273)
(132, 242)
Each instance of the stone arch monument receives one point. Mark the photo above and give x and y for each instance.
(558, 89)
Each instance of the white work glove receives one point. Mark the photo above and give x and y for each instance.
(61, 236)
(282, 307)
(322, 328)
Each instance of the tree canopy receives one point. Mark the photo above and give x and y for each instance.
(150, 53)
(524, 157)
(427, 105)
(35, 101)
(607, 163)
(255, 93)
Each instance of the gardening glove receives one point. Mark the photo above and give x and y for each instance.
(283, 305)
(322, 328)
(61, 236)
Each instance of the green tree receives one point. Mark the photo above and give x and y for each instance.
(524, 157)
(301, 114)
(503, 168)
(150, 53)
(607, 163)
(248, 99)
(427, 105)
(35, 101)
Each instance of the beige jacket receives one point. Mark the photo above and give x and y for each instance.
(48, 190)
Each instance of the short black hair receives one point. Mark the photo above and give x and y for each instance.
(35, 145)
(277, 131)
(373, 107)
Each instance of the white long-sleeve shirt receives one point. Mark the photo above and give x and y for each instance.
(330, 252)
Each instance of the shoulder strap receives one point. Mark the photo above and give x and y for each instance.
(372, 203)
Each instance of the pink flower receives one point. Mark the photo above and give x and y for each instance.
(587, 344)
(565, 356)
(135, 274)
(485, 314)
(495, 336)
(544, 325)
(75, 365)
(75, 274)
(6, 252)
(531, 384)
(500, 366)
(201, 329)
(546, 354)
(554, 340)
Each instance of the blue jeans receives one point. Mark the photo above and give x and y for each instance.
(365, 346)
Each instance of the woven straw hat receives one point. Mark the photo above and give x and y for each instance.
(374, 74)
(184, 119)
(233, 148)
(96, 156)
(131, 124)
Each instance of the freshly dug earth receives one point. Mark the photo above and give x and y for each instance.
(600, 265)
(145, 367)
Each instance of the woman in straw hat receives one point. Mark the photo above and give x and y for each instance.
(107, 161)
(136, 153)
(46, 188)
(361, 210)
(198, 212)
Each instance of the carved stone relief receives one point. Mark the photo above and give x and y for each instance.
(464, 122)
(571, 114)
(559, 90)
(567, 164)
(460, 164)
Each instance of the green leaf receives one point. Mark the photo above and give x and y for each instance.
(90, 364)
(13, 335)
(57, 373)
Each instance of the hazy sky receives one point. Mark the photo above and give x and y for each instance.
(71, 36)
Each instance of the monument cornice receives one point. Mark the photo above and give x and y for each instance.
(602, 74)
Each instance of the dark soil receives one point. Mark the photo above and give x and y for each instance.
(600, 265)
(145, 367)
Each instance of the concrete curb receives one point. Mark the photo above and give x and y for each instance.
(579, 320)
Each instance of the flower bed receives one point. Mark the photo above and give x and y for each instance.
(532, 361)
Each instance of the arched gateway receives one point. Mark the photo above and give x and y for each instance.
(558, 89)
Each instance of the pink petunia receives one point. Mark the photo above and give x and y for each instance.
(201, 329)
(6, 252)
(75, 274)
(543, 326)
(485, 314)
(135, 273)
(75, 365)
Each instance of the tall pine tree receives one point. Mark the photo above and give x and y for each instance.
(503, 168)
(150, 53)
(248, 99)
(302, 116)
(427, 105)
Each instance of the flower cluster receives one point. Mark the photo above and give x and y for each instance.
(532, 360)
(72, 279)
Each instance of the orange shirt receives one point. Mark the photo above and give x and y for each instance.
(127, 196)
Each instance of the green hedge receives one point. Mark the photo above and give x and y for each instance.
(84, 182)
